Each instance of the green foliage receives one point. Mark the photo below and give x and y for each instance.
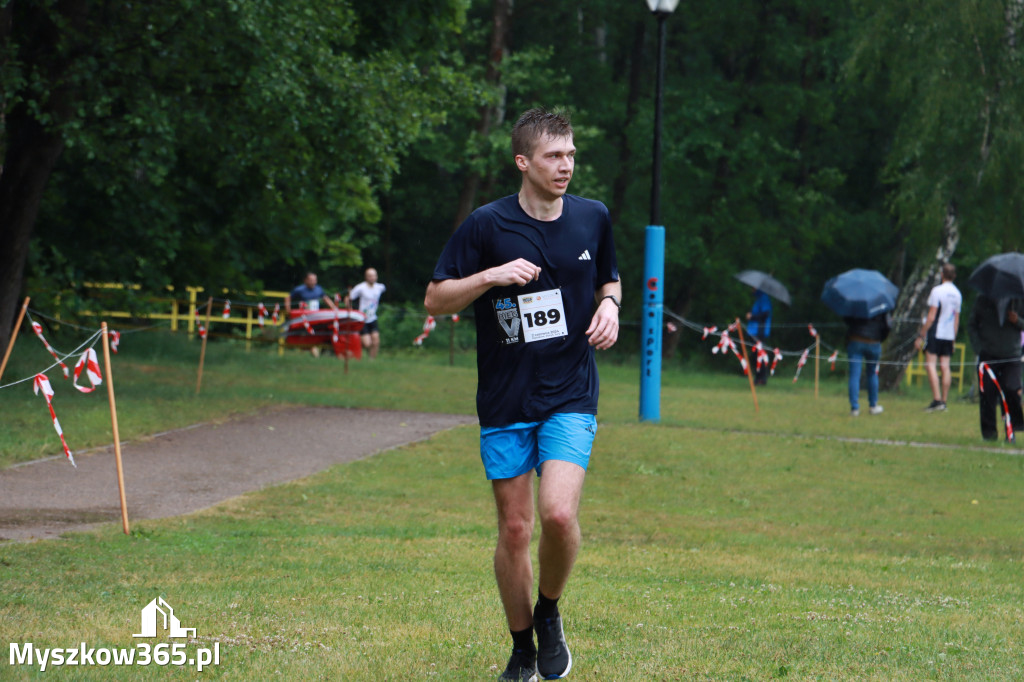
(235, 137)
(952, 71)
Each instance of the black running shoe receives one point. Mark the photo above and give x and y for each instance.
(553, 658)
(935, 406)
(522, 667)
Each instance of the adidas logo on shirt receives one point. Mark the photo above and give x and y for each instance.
(585, 255)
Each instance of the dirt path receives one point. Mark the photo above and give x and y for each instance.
(189, 469)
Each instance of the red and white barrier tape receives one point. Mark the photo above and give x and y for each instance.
(277, 312)
(983, 369)
(777, 355)
(91, 365)
(261, 313)
(800, 364)
(115, 340)
(41, 383)
(199, 327)
(227, 310)
(38, 329)
(428, 326)
(832, 360)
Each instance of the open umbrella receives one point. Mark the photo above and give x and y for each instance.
(1001, 278)
(766, 283)
(860, 293)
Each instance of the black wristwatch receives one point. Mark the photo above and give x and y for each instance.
(614, 300)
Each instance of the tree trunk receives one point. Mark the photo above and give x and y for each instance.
(31, 149)
(912, 304)
(490, 115)
(625, 174)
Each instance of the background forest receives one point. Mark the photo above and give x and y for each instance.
(237, 144)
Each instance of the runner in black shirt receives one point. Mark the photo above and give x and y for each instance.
(535, 266)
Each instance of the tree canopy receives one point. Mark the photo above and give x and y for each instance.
(236, 144)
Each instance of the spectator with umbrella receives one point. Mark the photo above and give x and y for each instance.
(994, 327)
(759, 319)
(864, 299)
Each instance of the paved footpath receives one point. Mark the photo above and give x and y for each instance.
(193, 468)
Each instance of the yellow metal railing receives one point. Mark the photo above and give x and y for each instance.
(183, 313)
(917, 368)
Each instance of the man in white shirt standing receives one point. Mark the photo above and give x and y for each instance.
(938, 333)
(365, 297)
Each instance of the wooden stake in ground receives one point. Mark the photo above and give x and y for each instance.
(113, 424)
(202, 353)
(817, 359)
(750, 370)
(14, 336)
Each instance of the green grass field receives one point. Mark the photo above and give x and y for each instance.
(722, 544)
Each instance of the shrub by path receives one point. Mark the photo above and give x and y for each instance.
(190, 469)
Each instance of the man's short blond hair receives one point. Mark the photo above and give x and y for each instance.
(536, 124)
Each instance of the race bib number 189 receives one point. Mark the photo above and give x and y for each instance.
(543, 316)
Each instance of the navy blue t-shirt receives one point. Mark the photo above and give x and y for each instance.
(520, 380)
(304, 294)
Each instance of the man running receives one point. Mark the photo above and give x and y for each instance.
(539, 268)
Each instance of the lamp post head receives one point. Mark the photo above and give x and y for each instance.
(663, 6)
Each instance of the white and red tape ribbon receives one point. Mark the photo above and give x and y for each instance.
(41, 383)
(91, 365)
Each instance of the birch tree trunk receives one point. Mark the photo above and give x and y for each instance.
(912, 305)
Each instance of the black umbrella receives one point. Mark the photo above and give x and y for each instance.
(766, 283)
(860, 293)
(1001, 278)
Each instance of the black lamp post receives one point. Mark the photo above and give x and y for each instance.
(654, 247)
(661, 9)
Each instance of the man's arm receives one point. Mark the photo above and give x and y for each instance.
(330, 303)
(287, 303)
(928, 322)
(447, 296)
(604, 327)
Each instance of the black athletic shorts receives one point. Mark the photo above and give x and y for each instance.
(939, 347)
(370, 327)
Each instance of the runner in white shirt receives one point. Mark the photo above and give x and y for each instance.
(365, 297)
(938, 333)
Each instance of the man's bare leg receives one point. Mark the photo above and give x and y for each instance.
(513, 566)
(933, 375)
(374, 344)
(561, 484)
(947, 377)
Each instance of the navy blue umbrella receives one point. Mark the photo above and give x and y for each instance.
(860, 293)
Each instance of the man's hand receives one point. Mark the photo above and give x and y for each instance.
(448, 296)
(1011, 316)
(604, 327)
(519, 271)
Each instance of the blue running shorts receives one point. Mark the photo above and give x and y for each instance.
(510, 451)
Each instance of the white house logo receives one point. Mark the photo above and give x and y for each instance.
(158, 615)
(158, 620)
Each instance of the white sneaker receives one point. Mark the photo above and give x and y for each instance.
(877, 409)
(854, 413)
